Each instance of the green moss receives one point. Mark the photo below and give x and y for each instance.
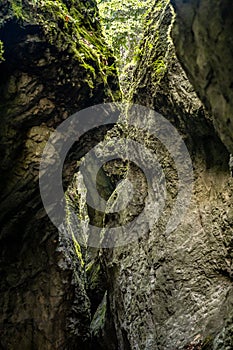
(17, 8)
(93, 272)
(77, 247)
(99, 318)
(74, 28)
(78, 250)
(137, 55)
(159, 66)
(159, 5)
(155, 49)
(1, 51)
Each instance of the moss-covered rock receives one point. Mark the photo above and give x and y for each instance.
(55, 63)
(1, 51)
(175, 291)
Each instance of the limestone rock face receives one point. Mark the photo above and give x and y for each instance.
(204, 45)
(175, 292)
(55, 63)
(160, 292)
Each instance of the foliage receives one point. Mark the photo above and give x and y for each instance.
(123, 23)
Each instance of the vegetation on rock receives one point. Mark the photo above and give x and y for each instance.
(123, 24)
(56, 63)
(160, 292)
(72, 26)
(1, 51)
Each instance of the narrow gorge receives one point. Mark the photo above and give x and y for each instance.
(148, 290)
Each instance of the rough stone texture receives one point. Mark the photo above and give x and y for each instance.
(175, 292)
(55, 64)
(204, 45)
(160, 292)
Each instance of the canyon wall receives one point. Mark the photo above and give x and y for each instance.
(159, 292)
(175, 292)
(202, 34)
(55, 63)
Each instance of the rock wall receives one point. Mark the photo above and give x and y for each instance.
(176, 292)
(55, 63)
(159, 292)
(203, 41)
